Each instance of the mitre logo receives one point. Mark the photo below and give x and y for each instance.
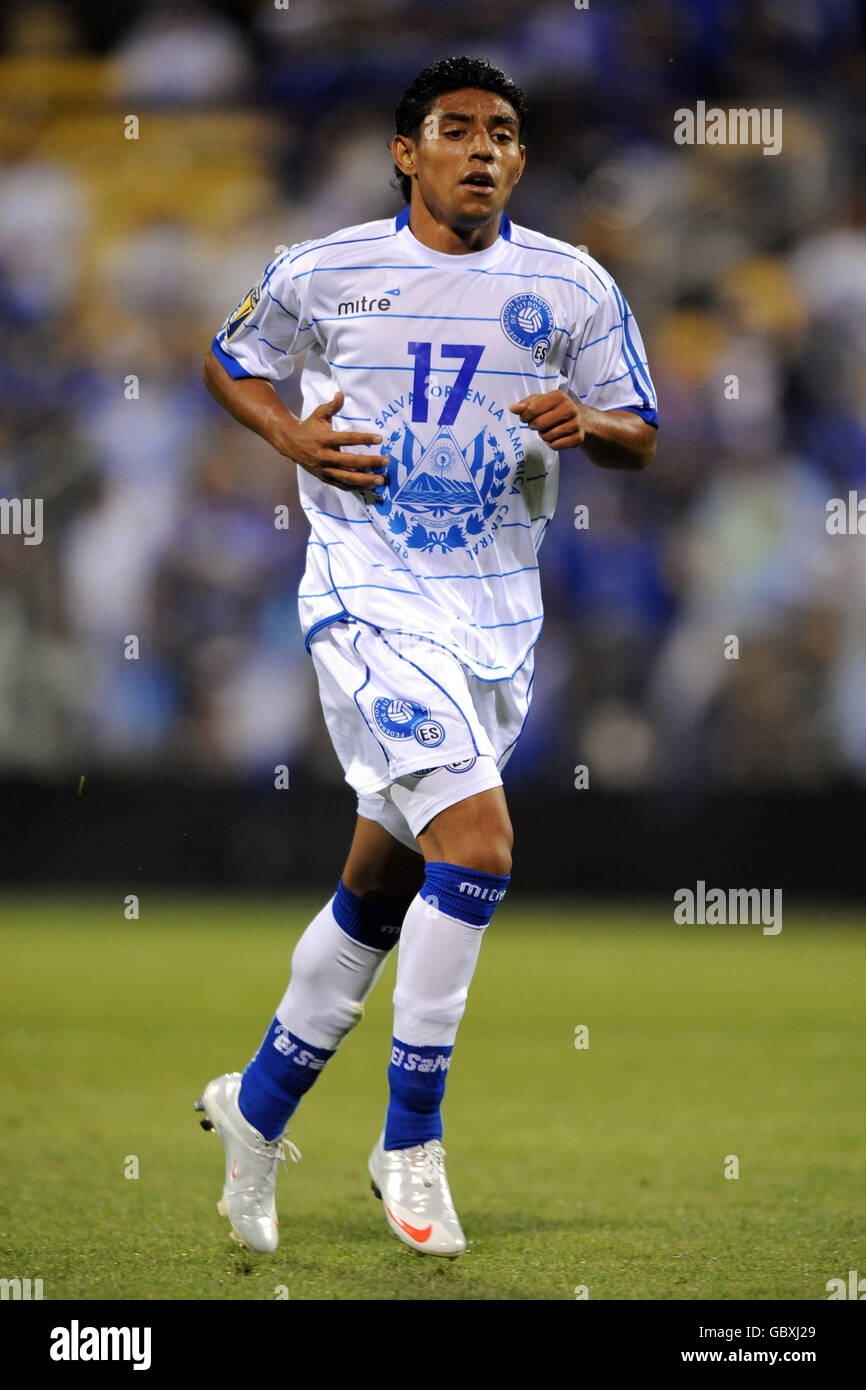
(365, 305)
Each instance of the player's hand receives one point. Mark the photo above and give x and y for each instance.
(321, 450)
(556, 417)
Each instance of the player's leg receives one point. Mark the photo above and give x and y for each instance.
(476, 832)
(380, 867)
(335, 964)
(467, 850)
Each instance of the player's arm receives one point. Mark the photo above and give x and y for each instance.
(609, 438)
(311, 443)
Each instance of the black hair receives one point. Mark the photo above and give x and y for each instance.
(450, 75)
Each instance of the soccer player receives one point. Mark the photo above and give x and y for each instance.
(450, 357)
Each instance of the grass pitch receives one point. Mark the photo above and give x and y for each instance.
(602, 1167)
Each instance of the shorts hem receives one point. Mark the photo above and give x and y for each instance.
(394, 774)
(431, 809)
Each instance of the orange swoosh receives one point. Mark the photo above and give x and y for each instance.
(414, 1231)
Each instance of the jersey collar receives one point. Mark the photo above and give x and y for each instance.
(402, 220)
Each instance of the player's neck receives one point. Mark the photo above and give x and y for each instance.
(452, 241)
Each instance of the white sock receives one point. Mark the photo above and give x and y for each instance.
(436, 962)
(439, 948)
(332, 974)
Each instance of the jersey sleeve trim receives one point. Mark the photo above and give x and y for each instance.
(231, 364)
(635, 359)
(650, 415)
(322, 623)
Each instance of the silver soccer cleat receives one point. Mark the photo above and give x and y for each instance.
(413, 1188)
(251, 1166)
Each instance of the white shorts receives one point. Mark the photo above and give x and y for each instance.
(415, 730)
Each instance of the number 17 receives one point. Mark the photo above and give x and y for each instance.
(471, 354)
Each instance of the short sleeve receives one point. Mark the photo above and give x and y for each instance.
(607, 364)
(267, 329)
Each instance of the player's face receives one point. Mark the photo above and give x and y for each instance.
(467, 158)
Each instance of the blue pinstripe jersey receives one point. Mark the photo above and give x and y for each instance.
(430, 350)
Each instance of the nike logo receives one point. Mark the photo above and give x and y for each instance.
(414, 1231)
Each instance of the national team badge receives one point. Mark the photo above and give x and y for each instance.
(527, 321)
(402, 719)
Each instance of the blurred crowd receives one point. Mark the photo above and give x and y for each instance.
(260, 125)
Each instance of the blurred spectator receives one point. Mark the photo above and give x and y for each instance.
(182, 57)
(44, 217)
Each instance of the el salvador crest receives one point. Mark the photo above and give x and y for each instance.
(446, 496)
(527, 321)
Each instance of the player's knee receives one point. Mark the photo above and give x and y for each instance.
(488, 856)
(486, 848)
(490, 844)
(502, 862)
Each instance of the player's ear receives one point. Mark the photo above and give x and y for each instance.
(403, 150)
(522, 163)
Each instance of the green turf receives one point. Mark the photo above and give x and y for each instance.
(601, 1167)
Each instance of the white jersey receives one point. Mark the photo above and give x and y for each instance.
(430, 350)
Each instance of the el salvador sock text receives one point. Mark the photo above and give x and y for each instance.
(282, 1071)
(439, 947)
(335, 964)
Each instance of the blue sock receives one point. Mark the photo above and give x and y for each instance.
(416, 1077)
(368, 921)
(280, 1074)
(439, 947)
